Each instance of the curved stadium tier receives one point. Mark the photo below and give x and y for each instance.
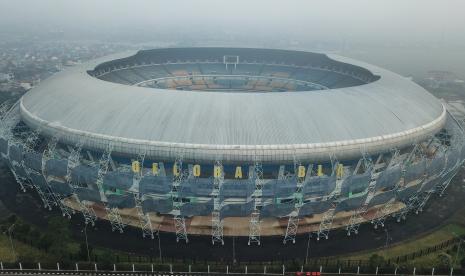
(232, 142)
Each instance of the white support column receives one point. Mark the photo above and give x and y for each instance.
(327, 220)
(254, 225)
(357, 216)
(217, 223)
(28, 146)
(384, 212)
(49, 153)
(179, 221)
(113, 215)
(144, 219)
(293, 221)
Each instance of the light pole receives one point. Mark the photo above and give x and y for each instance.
(159, 244)
(458, 248)
(387, 237)
(10, 230)
(234, 249)
(308, 247)
(87, 243)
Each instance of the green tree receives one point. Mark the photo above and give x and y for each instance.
(376, 260)
(57, 237)
(106, 258)
(83, 252)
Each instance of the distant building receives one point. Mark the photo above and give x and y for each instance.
(6, 77)
(438, 78)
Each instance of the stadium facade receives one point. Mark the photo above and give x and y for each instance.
(231, 141)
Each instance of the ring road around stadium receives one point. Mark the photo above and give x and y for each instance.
(231, 142)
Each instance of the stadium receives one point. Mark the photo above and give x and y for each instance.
(231, 142)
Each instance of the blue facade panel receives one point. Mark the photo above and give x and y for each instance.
(318, 186)
(313, 208)
(237, 210)
(60, 188)
(118, 180)
(16, 153)
(197, 209)
(237, 188)
(277, 210)
(352, 203)
(155, 185)
(33, 161)
(388, 178)
(355, 184)
(382, 198)
(56, 167)
(121, 201)
(162, 205)
(87, 194)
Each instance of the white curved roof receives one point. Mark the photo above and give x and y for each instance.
(83, 107)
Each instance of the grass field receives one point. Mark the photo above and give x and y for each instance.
(415, 244)
(26, 252)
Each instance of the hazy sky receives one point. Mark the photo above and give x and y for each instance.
(407, 36)
(398, 20)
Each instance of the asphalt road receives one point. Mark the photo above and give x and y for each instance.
(436, 213)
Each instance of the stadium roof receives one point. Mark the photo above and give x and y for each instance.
(390, 111)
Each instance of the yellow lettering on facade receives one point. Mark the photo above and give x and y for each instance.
(176, 169)
(196, 170)
(340, 170)
(301, 171)
(135, 166)
(238, 173)
(217, 171)
(155, 169)
(320, 170)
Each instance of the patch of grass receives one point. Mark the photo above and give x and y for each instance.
(23, 251)
(434, 238)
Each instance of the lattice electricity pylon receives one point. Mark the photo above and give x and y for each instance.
(292, 226)
(357, 216)
(254, 224)
(28, 142)
(144, 219)
(441, 187)
(87, 212)
(29, 145)
(413, 201)
(356, 219)
(326, 223)
(8, 121)
(31, 141)
(4, 107)
(424, 197)
(113, 215)
(293, 220)
(217, 223)
(103, 165)
(383, 213)
(179, 221)
(115, 219)
(48, 154)
(217, 228)
(73, 161)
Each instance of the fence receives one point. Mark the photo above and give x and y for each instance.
(170, 269)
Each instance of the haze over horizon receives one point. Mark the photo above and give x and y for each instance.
(367, 29)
